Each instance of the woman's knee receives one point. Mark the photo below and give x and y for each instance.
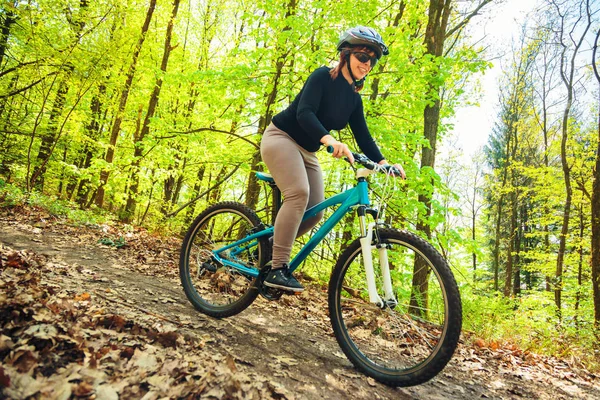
(298, 196)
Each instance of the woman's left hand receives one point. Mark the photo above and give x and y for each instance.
(397, 166)
(402, 173)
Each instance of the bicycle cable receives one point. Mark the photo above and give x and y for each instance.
(386, 192)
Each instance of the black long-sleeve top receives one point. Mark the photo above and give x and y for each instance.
(322, 105)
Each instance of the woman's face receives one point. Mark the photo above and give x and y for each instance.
(361, 62)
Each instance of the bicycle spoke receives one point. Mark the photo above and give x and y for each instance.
(214, 288)
(394, 344)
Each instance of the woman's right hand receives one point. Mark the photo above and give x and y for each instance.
(339, 149)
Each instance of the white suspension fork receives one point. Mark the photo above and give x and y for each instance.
(366, 246)
(390, 300)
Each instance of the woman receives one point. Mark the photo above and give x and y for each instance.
(328, 101)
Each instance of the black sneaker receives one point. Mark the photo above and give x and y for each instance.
(282, 278)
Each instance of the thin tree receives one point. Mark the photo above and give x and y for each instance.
(145, 131)
(436, 33)
(472, 196)
(567, 74)
(53, 133)
(116, 127)
(8, 18)
(282, 53)
(545, 73)
(595, 208)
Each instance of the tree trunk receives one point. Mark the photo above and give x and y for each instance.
(547, 167)
(51, 136)
(435, 35)
(519, 241)
(116, 128)
(50, 139)
(169, 186)
(189, 215)
(595, 210)
(567, 73)
(473, 230)
(215, 194)
(579, 263)
(496, 251)
(511, 240)
(567, 210)
(93, 132)
(281, 52)
(9, 18)
(7, 143)
(133, 180)
(253, 188)
(152, 105)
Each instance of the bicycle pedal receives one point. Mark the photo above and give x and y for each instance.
(270, 293)
(290, 293)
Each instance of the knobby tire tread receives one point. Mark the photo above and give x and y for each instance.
(243, 302)
(431, 367)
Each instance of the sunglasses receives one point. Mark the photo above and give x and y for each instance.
(365, 57)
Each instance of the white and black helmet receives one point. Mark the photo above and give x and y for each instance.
(363, 36)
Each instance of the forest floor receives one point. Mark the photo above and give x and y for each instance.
(82, 319)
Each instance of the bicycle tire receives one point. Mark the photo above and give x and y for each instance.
(405, 344)
(212, 288)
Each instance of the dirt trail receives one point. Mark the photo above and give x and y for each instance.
(286, 346)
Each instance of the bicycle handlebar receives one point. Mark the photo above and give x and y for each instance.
(368, 164)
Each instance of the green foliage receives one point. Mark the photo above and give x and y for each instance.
(233, 65)
(11, 195)
(535, 164)
(531, 323)
(117, 243)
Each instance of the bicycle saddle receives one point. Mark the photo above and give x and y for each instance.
(263, 176)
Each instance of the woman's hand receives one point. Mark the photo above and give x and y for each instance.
(339, 148)
(396, 166)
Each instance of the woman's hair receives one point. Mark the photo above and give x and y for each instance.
(344, 52)
(342, 62)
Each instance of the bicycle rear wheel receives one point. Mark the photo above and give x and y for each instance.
(402, 344)
(213, 288)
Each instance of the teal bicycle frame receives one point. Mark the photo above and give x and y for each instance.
(349, 199)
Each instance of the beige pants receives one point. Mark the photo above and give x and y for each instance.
(298, 175)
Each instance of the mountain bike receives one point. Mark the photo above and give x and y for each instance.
(394, 304)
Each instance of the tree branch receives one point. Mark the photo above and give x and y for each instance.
(174, 213)
(466, 20)
(210, 129)
(2, 96)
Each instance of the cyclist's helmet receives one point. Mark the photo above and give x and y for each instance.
(363, 36)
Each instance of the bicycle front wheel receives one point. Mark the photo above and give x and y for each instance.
(410, 340)
(213, 288)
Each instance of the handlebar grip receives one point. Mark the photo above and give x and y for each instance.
(392, 170)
